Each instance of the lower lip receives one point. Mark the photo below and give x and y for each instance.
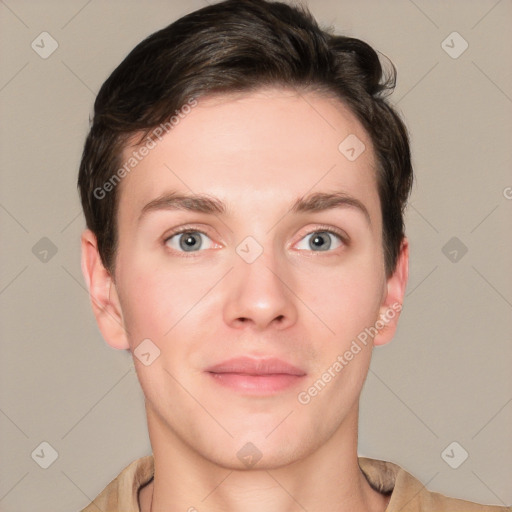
(257, 384)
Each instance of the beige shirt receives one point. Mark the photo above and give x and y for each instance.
(407, 493)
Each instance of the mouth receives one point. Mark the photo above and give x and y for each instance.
(256, 376)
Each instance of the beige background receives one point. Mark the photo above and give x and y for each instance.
(446, 377)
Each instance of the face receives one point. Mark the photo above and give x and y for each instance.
(263, 271)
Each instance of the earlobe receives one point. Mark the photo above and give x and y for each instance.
(395, 292)
(104, 299)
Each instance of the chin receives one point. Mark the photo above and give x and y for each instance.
(259, 451)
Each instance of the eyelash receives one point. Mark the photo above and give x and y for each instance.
(188, 229)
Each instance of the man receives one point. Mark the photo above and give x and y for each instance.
(243, 184)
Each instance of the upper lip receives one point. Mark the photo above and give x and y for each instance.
(250, 366)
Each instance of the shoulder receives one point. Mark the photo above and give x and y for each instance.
(438, 502)
(121, 494)
(409, 494)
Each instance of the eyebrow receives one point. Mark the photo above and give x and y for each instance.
(204, 203)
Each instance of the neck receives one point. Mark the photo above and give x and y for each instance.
(328, 478)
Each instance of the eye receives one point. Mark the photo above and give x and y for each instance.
(322, 241)
(189, 240)
(192, 240)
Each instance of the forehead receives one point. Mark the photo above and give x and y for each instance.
(249, 148)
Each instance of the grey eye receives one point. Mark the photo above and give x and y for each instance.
(188, 241)
(320, 241)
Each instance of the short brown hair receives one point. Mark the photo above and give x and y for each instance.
(240, 46)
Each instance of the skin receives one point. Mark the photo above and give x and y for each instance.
(257, 152)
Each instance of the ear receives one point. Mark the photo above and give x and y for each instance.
(393, 297)
(103, 294)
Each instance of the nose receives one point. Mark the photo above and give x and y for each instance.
(259, 294)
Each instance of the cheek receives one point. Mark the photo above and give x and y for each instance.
(349, 305)
(347, 298)
(153, 301)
